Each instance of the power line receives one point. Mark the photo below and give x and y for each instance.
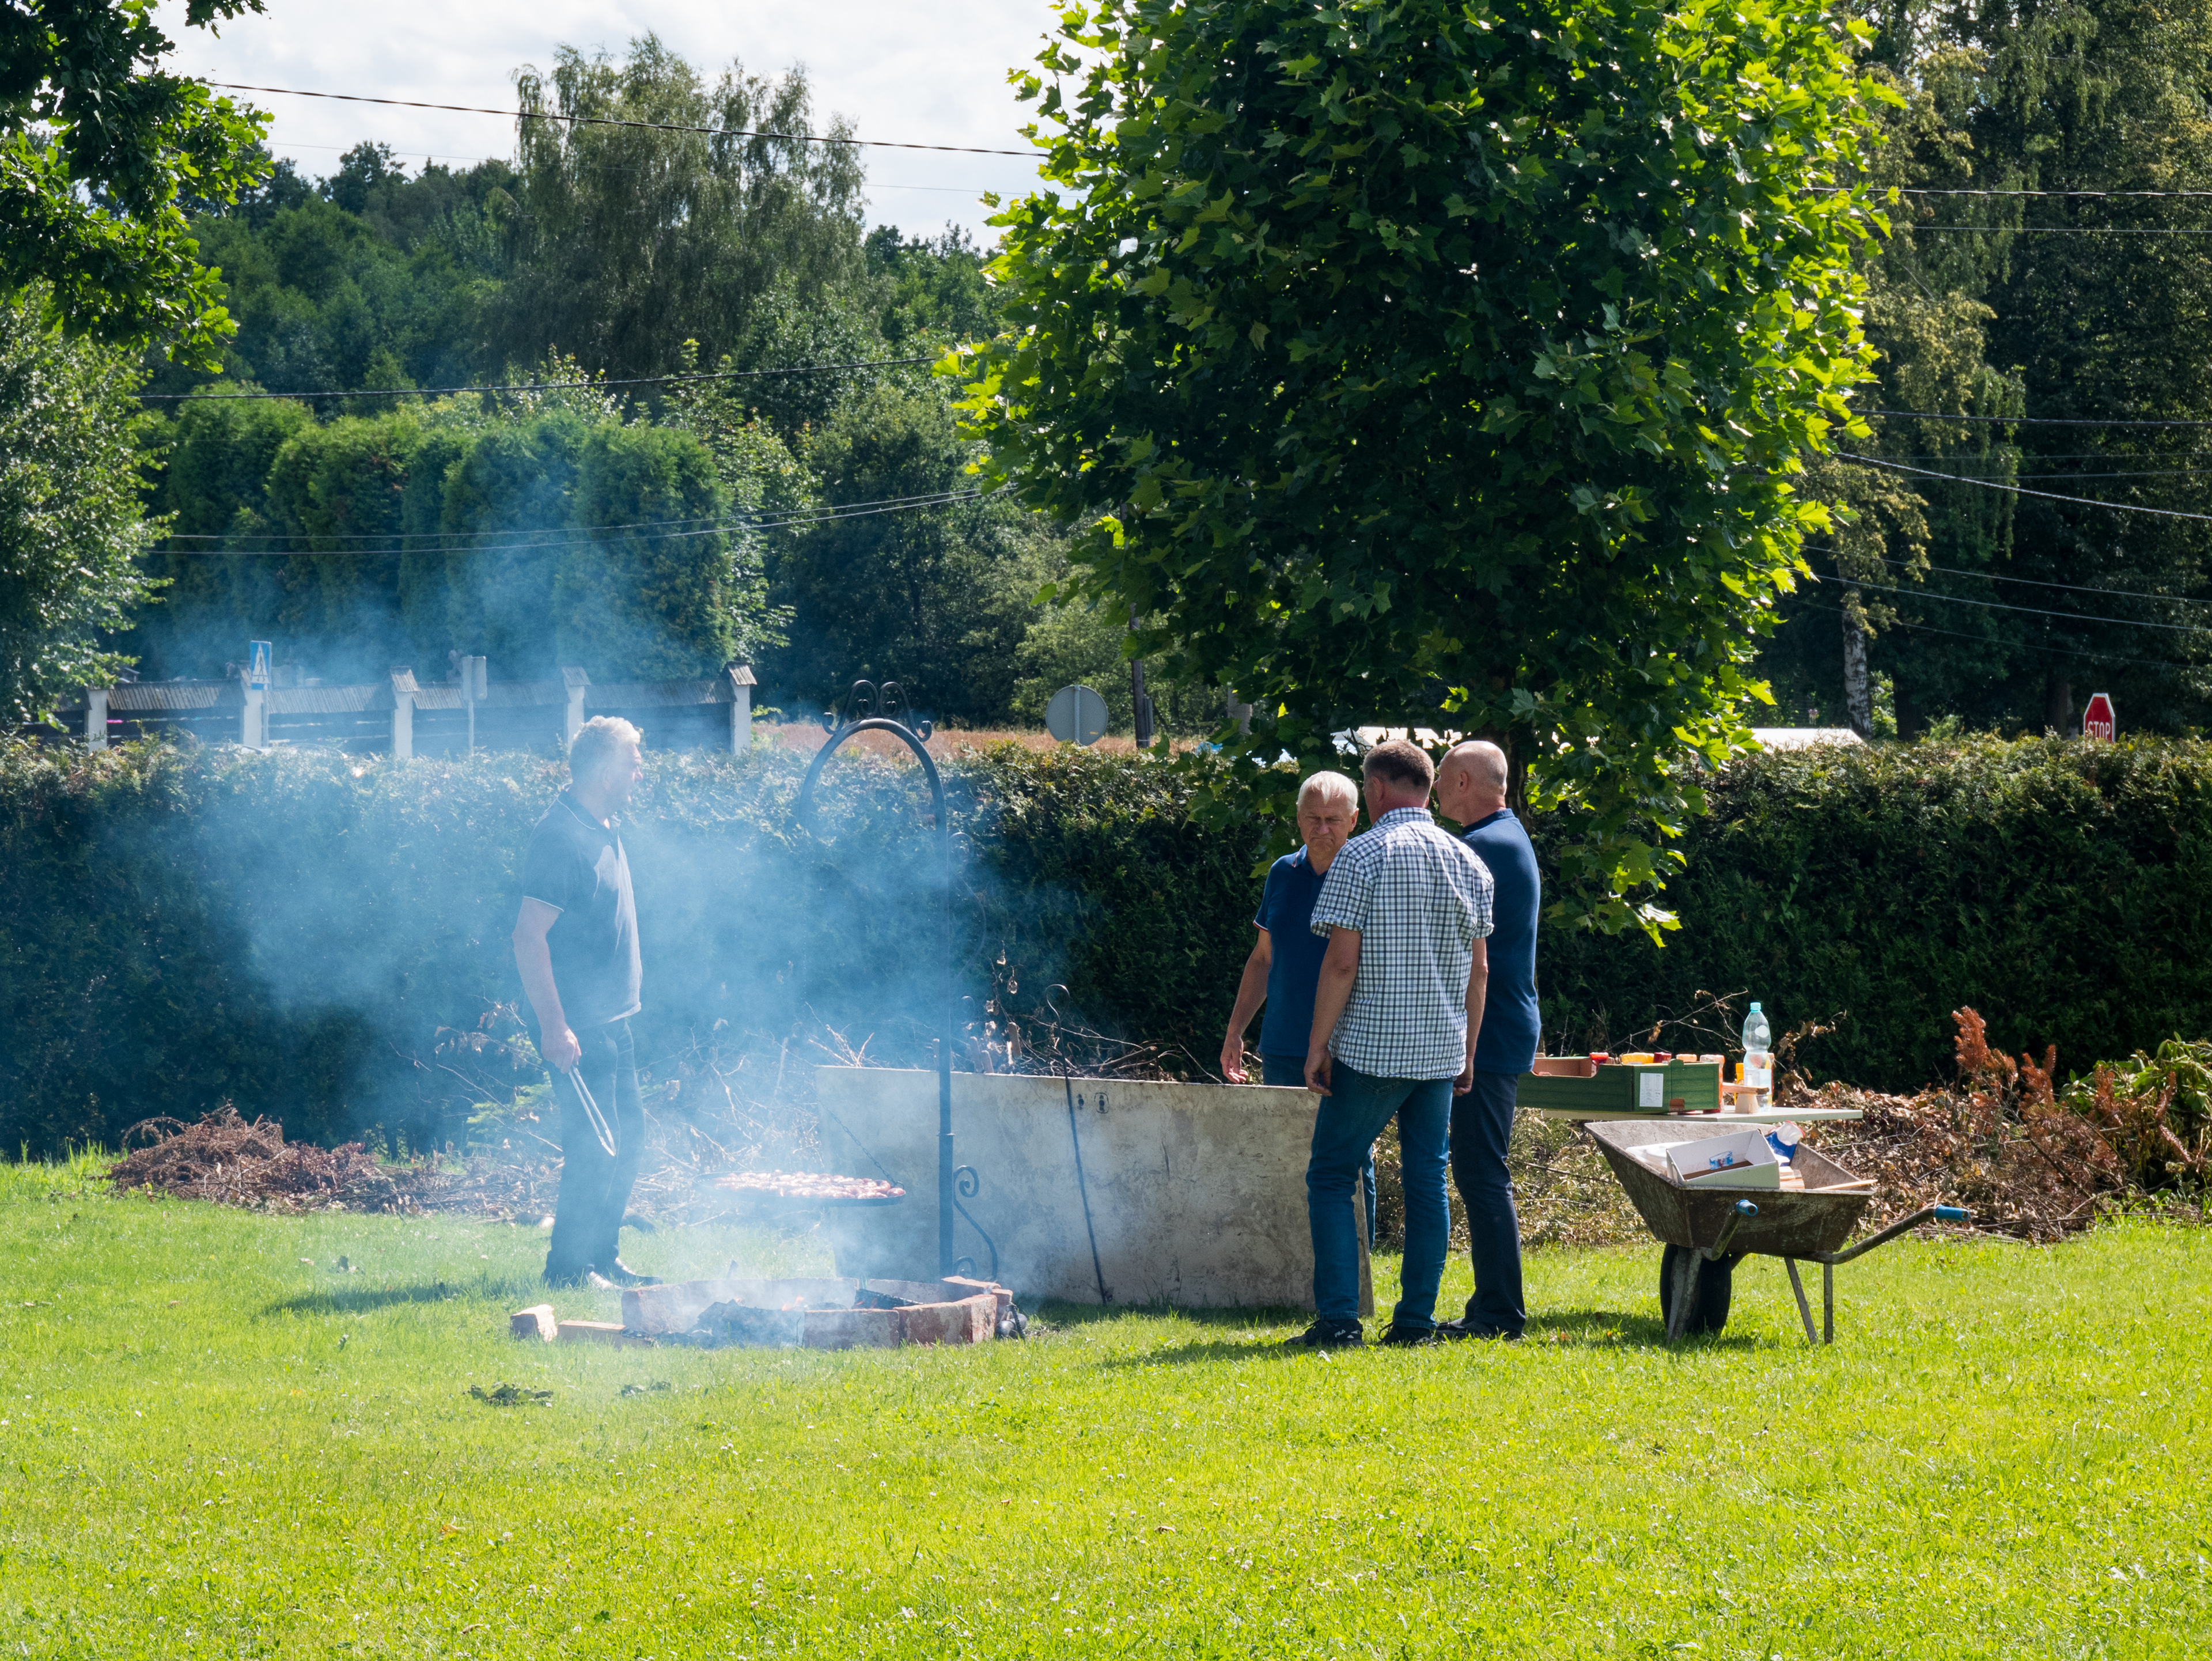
(2159, 472)
(1982, 640)
(1916, 189)
(542, 386)
(612, 121)
(2031, 610)
(2031, 582)
(1929, 190)
(850, 510)
(2015, 489)
(2033, 421)
(428, 536)
(2059, 231)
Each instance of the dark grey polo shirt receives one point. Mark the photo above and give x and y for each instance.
(577, 866)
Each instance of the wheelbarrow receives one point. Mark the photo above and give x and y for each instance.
(1708, 1232)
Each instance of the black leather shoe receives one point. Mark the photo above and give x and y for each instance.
(623, 1275)
(1400, 1336)
(1328, 1335)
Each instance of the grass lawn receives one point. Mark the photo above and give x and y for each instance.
(209, 1446)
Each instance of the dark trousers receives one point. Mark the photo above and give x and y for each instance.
(1481, 1126)
(1289, 1073)
(595, 1184)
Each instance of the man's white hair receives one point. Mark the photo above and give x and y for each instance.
(1329, 787)
(1483, 759)
(598, 742)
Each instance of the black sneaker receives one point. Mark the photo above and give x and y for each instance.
(1461, 1329)
(623, 1275)
(1328, 1335)
(1401, 1335)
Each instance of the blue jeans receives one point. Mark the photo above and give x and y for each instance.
(1481, 1126)
(1289, 1073)
(1346, 1125)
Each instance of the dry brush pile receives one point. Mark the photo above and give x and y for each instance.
(2026, 1155)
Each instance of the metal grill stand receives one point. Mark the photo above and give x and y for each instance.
(869, 709)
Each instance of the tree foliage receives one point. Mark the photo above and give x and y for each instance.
(630, 239)
(2032, 282)
(100, 151)
(552, 534)
(71, 523)
(1453, 364)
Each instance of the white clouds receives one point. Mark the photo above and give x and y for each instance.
(928, 72)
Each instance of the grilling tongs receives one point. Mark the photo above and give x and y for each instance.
(600, 1127)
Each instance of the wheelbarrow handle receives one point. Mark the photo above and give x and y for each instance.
(1941, 1214)
(1739, 1212)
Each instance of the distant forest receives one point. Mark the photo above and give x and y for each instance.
(821, 527)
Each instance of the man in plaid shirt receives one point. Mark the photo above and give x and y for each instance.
(1407, 908)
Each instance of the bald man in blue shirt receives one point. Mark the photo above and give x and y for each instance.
(1471, 790)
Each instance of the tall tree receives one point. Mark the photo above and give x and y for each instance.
(633, 239)
(100, 150)
(1454, 362)
(71, 526)
(936, 593)
(2041, 266)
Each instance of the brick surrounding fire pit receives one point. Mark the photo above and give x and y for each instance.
(947, 1312)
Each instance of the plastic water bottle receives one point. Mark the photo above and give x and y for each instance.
(1758, 1037)
(1758, 1054)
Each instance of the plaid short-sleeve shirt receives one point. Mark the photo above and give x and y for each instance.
(1420, 899)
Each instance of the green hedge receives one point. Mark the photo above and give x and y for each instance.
(2062, 888)
(305, 934)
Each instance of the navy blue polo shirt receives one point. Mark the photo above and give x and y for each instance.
(1294, 964)
(1510, 1024)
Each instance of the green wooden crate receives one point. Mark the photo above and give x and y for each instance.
(1617, 1089)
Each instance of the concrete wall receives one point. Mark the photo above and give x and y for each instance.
(1197, 1191)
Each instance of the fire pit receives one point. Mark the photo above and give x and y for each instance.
(828, 1313)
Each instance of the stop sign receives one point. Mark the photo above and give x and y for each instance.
(2098, 720)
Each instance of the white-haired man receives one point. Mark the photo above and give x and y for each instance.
(575, 942)
(1471, 788)
(1285, 964)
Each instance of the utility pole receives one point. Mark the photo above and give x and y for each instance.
(1142, 704)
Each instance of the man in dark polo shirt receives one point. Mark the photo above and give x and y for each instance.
(1284, 965)
(1471, 788)
(575, 943)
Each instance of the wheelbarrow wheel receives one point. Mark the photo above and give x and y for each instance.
(1715, 1285)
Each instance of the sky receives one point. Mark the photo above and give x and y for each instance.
(927, 71)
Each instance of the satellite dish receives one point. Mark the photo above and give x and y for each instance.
(1076, 716)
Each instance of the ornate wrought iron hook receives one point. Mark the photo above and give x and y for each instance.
(966, 1184)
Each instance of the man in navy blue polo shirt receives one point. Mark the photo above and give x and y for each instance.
(1471, 788)
(1285, 962)
(1284, 965)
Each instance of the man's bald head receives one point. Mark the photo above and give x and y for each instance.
(1485, 762)
(1471, 783)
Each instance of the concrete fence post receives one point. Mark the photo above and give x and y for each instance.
(576, 681)
(741, 709)
(403, 715)
(95, 717)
